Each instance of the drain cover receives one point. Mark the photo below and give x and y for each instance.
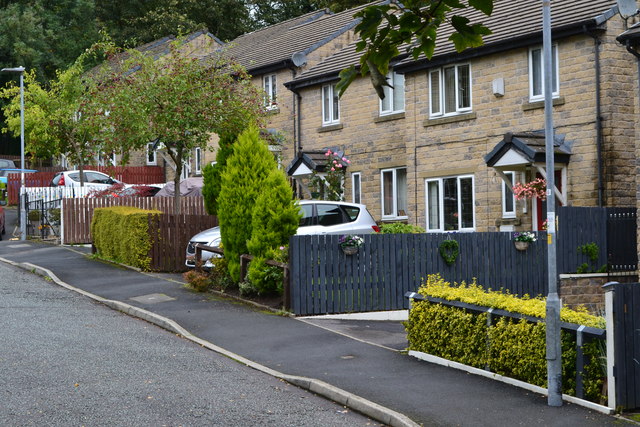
(152, 298)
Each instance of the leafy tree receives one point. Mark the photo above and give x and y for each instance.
(56, 117)
(177, 100)
(269, 12)
(243, 180)
(275, 219)
(212, 175)
(412, 25)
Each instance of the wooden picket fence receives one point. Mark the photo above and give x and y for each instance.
(170, 235)
(78, 213)
(139, 175)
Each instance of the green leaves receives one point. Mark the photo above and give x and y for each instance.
(386, 29)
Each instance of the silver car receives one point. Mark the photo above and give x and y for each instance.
(318, 217)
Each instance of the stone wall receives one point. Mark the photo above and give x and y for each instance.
(586, 289)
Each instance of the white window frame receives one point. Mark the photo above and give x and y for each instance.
(556, 70)
(356, 184)
(333, 115)
(394, 197)
(197, 155)
(150, 150)
(441, 221)
(397, 81)
(439, 112)
(270, 86)
(507, 194)
(186, 169)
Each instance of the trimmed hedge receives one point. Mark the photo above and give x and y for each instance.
(511, 347)
(121, 234)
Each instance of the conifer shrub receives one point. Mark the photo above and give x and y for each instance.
(211, 175)
(121, 234)
(242, 180)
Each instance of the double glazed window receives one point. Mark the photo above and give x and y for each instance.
(450, 90)
(536, 73)
(151, 154)
(330, 105)
(508, 198)
(450, 204)
(393, 101)
(198, 161)
(356, 186)
(394, 193)
(270, 89)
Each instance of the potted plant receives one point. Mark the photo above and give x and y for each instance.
(523, 239)
(350, 244)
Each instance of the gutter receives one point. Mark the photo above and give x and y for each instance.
(599, 139)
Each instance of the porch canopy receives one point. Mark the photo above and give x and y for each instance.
(306, 162)
(520, 152)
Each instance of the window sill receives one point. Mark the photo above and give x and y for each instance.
(449, 119)
(273, 110)
(535, 105)
(330, 128)
(389, 117)
(394, 219)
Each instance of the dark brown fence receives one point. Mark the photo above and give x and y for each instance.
(170, 236)
(128, 174)
(326, 280)
(78, 213)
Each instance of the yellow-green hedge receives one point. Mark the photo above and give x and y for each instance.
(509, 347)
(121, 234)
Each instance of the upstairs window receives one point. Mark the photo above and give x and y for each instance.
(270, 89)
(536, 73)
(450, 90)
(393, 101)
(330, 105)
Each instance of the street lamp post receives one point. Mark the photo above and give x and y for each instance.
(23, 212)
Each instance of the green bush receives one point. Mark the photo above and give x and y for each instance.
(242, 182)
(211, 175)
(121, 234)
(197, 280)
(399, 228)
(509, 347)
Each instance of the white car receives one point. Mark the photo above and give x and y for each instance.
(92, 179)
(318, 217)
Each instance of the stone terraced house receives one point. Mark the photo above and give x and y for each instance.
(437, 151)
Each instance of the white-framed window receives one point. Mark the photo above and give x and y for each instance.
(330, 105)
(152, 158)
(198, 161)
(536, 73)
(394, 193)
(271, 90)
(186, 169)
(393, 101)
(450, 90)
(508, 198)
(356, 185)
(450, 203)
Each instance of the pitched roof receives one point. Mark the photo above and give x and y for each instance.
(530, 146)
(272, 47)
(513, 23)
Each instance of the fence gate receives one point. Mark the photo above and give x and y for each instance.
(626, 309)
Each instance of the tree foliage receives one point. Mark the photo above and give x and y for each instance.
(413, 26)
(56, 116)
(177, 100)
(211, 174)
(243, 180)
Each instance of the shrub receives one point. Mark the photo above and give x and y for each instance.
(510, 347)
(34, 215)
(219, 274)
(198, 281)
(242, 182)
(211, 175)
(399, 228)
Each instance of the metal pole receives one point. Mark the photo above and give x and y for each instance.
(23, 212)
(554, 350)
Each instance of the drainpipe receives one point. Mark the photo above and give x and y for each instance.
(599, 143)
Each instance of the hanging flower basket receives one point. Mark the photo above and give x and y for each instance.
(350, 250)
(521, 246)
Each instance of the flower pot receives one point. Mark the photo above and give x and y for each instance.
(521, 246)
(350, 250)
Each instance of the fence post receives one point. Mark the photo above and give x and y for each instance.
(611, 378)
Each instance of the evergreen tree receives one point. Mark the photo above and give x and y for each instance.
(243, 179)
(275, 219)
(212, 175)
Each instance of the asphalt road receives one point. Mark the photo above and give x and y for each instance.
(65, 360)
